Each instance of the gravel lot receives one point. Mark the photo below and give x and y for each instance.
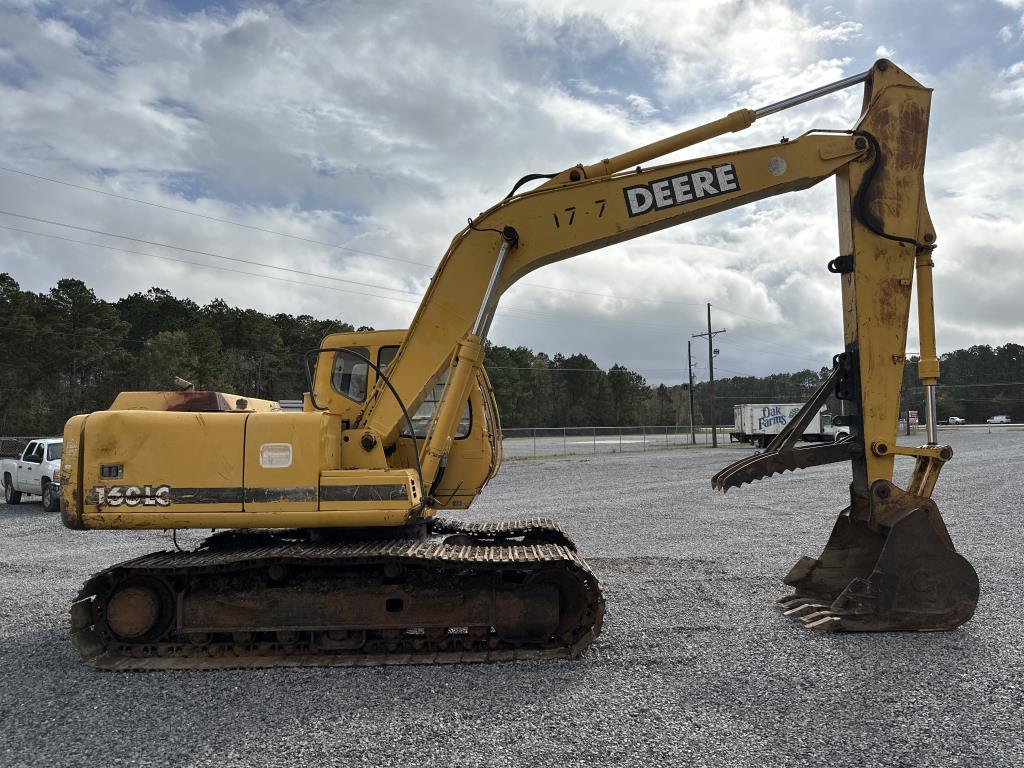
(695, 665)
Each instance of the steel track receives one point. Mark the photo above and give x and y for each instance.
(496, 551)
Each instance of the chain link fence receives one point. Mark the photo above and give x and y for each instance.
(11, 447)
(533, 442)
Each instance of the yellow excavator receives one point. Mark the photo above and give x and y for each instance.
(330, 550)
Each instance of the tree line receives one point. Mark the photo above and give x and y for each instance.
(66, 351)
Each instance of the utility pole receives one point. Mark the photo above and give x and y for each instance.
(689, 367)
(711, 373)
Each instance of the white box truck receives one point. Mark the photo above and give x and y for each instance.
(758, 423)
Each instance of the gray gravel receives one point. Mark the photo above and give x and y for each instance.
(695, 665)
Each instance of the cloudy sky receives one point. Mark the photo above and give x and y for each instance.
(341, 146)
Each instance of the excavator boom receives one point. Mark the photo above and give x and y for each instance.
(352, 565)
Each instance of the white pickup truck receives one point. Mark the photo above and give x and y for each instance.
(34, 472)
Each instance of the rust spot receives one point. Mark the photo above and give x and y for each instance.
(893, 302)
(203, 401)
(913, 132)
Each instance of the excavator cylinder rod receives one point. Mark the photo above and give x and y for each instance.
(815, 93)
(731, 123)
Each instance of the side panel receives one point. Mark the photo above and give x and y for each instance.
(370, 498)
(71, 473)
(151, 469)
(284, 454)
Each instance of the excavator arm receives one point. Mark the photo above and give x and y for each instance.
(553, 223)
(884, 228)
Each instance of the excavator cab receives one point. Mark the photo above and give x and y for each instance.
(348, 366)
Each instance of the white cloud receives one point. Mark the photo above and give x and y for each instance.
(384, 131)
(59, 32)
(641, 105)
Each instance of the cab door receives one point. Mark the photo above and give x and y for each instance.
(30, 468)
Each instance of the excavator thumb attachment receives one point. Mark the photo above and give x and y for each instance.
(782, 454)
(890, 567)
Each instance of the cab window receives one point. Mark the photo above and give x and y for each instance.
(53, 451)
(349, 375)
(385, 356)
(421, 419)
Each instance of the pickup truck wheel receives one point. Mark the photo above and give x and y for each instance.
(11, 496)
(51, 499)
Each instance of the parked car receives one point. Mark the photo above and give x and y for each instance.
(998, 420)
(957, 420)
(36, 471)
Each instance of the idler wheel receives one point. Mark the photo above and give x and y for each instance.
(138, 610)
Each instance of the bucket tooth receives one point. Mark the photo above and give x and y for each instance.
(810, 618)
(803, 609)
(827, 623)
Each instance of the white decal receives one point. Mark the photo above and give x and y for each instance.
(684, 188)
(275, 455)
(776, 166)
(639, 200)
(726, 176)
(771, 415)
(133, 495)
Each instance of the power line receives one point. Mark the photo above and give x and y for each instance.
(960, 386)
(203, 253)
(760, 340)
(207, 266)
(297, 237)
(739, 373)
(757, 320)
(313, 241)
(287, 269)
(211, 218)
(505, 311)
(790, 355)
(624, 369)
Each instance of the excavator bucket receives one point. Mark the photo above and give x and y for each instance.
(888, 567)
